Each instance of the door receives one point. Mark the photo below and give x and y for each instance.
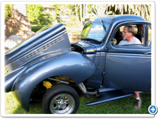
(129, 67)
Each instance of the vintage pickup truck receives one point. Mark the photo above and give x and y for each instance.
(46, 66)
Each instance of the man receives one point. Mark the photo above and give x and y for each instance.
(128, 35)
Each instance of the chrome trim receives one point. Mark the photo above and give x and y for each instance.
(62, 104)
(128, 55)
(82, 87)
(131, 49)
(106, 89)
(44, 47)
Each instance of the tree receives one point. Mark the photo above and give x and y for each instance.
(18, 24)
(34, 12)
(8, 11)
(98, 10)
(76, 11)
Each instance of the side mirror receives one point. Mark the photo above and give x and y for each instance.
(113, 41)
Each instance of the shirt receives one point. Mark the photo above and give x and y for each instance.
(133, 41)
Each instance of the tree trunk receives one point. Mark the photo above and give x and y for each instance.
(81, 12)
(76, 11)
(18, 24)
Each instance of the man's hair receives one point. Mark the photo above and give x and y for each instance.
(130, 29)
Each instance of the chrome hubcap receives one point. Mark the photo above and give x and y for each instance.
(62, 104)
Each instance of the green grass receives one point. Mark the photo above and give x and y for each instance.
(120, 106)
(36, 28)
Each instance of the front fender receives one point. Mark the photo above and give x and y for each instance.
(74, 65)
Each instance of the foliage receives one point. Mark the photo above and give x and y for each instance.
(8, 11)
(45, 18)
(34, 11)
(36, 28)
(73, 22)
(45, 27)
(82, 12)
(56, 16)
(37, 16)
(98, 10)
(78, 12)
(63, 10)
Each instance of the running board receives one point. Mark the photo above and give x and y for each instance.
(110, 96)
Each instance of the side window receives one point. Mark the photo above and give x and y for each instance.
(119, 36)
(146, 35)
(138, 30)
(149, 39)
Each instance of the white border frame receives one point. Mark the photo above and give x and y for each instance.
(153, 70)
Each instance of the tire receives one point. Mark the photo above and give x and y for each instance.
(60, 99)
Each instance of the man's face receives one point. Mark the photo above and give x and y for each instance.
(126, 34)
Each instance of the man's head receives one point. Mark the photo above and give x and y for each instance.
(128, 32)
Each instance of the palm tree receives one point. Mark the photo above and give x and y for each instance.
(142, 10)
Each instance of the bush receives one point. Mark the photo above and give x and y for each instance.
(73, 22)
(45, 18)
(8, 11)
(33, 12)
(37, 16)
(40, 27)
(36, 28)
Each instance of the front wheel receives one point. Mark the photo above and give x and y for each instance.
(60, 99)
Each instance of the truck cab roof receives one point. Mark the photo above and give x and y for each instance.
(120, 18)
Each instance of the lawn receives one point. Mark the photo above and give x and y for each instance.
(120, 106)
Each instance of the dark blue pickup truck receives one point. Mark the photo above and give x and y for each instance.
(46, 66)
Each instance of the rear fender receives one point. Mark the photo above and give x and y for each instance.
(74, 65)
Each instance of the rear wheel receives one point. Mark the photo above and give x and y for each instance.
(60, 99)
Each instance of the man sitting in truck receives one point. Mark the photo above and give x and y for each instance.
(128, 35)
(129, 38)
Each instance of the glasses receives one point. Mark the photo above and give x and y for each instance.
(124, 32)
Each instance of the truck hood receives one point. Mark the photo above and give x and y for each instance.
(49, 41)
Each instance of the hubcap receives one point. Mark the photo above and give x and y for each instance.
(62, 104)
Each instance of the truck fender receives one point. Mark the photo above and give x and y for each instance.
(74, 65)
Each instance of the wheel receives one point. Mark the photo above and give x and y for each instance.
(60, 99)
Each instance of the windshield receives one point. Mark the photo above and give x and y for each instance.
(95, 31)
